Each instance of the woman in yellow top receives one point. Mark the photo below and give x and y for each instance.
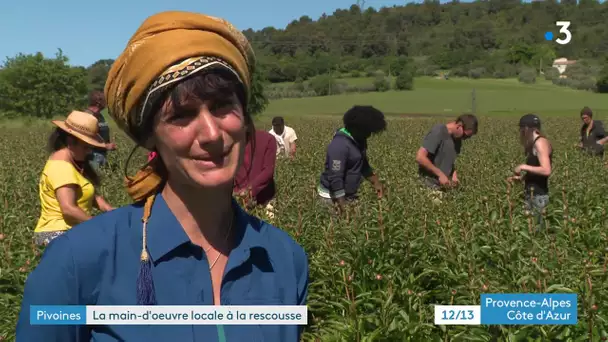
(67, 185)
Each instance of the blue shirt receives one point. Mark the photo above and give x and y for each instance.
(97, 263)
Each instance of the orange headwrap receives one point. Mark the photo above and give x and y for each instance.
(161, 42)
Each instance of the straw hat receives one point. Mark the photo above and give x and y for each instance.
(83, 126)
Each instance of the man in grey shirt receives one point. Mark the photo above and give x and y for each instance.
(441, 146)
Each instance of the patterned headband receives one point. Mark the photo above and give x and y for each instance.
(173, 75)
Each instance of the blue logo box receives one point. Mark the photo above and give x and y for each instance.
(58, 315)
(529, 309)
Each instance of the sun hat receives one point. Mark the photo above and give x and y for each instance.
(82, 126)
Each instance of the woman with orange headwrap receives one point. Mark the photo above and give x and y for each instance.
(180, 88)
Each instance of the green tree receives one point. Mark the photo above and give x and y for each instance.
(35, 86)
(499, 36)
(98, 73)
(382, 83)
(602, 80)
(405, 80)
(257, 100)
(322, 85)
(527, 75)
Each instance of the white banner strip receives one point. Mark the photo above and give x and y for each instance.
(457, 315)
(197, 315)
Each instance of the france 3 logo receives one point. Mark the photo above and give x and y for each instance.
(563, 25)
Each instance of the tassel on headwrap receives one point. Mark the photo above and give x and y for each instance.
(145, 284)
(165, 49)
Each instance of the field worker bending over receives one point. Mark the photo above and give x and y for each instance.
(97, 103)
(436, 157)
(254, 182)
(593, 135)
(181, 87)
(538, 166)
(346, 160)
(286, 138)
(68, 183)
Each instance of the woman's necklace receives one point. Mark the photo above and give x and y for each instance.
(225, 239)
(73, 161)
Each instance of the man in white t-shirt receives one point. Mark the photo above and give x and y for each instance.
(285, 136)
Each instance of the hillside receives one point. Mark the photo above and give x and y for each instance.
(494, 37)
(387, 48)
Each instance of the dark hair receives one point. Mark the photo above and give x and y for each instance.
(586, 111)
(278, 120)
(58, 140)
(469, 122)
(97, 98)
(526, 137)
(364, 120)
(218, 84)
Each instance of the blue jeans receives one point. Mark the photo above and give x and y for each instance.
(97, 160)
(536, 205)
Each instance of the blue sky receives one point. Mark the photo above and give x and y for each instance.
(87, 31)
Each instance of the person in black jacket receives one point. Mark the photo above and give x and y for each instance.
(593, 135)
(346, 162)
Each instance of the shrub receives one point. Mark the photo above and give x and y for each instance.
(499, 74)
(299, 84)
(602, 80)
(381, 83)
(405, 80)
(323, 85)
(476, 73)
(551, 74)
(527, 76)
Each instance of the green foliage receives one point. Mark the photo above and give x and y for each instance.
(450, 35)
(257, 99)
(579, 71)
(602, 81)
(323, 85)
(493, 97)
(527, 75)
(35, 86)
(376, 274)
(299, 84)
(382, 83)
(405, 80)
(551, 74)
(97, 73)
(476, 73)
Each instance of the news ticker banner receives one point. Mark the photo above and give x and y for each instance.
(512, 309)
(495, 309)
(168, 315)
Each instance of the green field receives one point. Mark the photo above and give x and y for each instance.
(376, 275)
(494, 97)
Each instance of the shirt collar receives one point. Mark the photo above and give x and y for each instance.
(165, 233)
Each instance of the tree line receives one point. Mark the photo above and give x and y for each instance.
(36, 86)
(494, 38)
(491, 38)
